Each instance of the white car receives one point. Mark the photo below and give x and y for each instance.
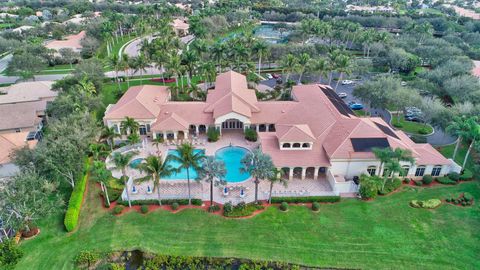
(403, 83)
(269, 76)
(347, 82)
(342, 95)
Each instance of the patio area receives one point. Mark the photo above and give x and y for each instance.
(176, 189)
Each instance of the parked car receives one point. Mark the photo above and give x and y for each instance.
(269, 76)
(356, 106)
(414, 118)
(342, 95)
(347, 82)
(276, 75)
(403, 83)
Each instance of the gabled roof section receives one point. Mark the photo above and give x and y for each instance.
(172, 122)
(139, 102)
(294, 133)
(231, 94)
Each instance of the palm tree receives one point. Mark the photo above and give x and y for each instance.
(382, 154)
(174, 66)
(97, 150)
(129, 126)
(189, 60)
(289, 64)
(473, 136)
(156, 168)
(109, 134)
(157, 142)
(343, 65)
(321, 66)
(276, 177)
(121, 162)
(141, 65)
(217, 51)
(259, 166)
(213, 171)
(261, 49)
(302, 63)
(115, 63)
(125, 67)
(459, 128)
(189, 159)
(133, 138)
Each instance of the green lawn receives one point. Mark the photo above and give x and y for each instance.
(102, 51)
(381, 234)
(447, 151)
(409, 126)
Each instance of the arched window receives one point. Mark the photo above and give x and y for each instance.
(436, 170)
(286, 145)
(296, 145)
(305, 145)
(420, 171)
(372, 170)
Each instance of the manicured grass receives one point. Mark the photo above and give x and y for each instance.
(102, 51)
(360, 113)
(448, 150)
(381, 234)
(410, 126)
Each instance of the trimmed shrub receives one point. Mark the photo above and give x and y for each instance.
(445, 180)
(466, 175)
(164, 202)
(418, 182)
(390, 186)
(428, 204)
(406, 181)
(454, 176)
(117, 209)
(250, 135)
(213, 208)
(284, 206)
(76, 199)
(227, 207)
(327, 199)
(10, 254)
(241, 209)
(315, 206)
(213, 134)
(467, 197)
(144, 209)
(175, 206)
(423, 131)
(427, 179)
(87, 258)
(368, 190)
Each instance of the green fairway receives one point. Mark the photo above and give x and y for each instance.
(382, 234)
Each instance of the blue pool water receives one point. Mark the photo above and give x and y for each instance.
(134, 163)
(230, 155)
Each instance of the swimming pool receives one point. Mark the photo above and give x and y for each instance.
(231, 155)
(134, 163)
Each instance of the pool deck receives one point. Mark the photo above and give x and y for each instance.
(175, 189)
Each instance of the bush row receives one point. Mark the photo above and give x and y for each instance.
(390, 186)
(76, 199)
(329, 199)
(463, 200)
(197, 202)
(240, 210)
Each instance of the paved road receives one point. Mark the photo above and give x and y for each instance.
(4, 62)
(134, 46)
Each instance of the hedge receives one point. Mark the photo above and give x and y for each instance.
(445, 180)
(466, 175)
(164, 202)
(329, 199)
(76, 199)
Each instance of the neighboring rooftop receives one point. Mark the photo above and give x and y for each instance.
(12, 141)
(72, 41)
(180, 24)
(26, 92)
(476, 69)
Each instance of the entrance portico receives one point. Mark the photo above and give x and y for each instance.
(232, 121)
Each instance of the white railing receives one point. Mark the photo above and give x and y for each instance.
(341, 186)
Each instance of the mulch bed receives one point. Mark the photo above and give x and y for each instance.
(30, 234)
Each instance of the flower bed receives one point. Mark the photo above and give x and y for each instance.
(240, 210)
(465, 199)
(428, 204)
(310, 199)
(197, 202)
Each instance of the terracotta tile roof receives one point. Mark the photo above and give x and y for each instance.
(27, 91)
(427, 155)
(171, 122)
(140, 102)
(476, 69)
(25, 116)
(9, 142)
(294, 133)
(71, 41)
(180, 24)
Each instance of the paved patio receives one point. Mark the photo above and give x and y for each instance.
(175, 189)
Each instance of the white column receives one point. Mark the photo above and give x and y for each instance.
(315, 174)
(290, 174)
(175, 133)
(219, 127)
(196, 130)
(186, 134)
(304, 172)
(256, 127)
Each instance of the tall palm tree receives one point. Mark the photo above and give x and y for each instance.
(343, 66)
(473, 136)
(217, 51)
(133, 138)
(174, 66)
(157, 142)
(114, 62)
(321, 66)
(382, 154)
(189, 60)
(390, 160)
(156, 168)
(276, 178)
(109, 134)
(213, 172)
(189, 159)
(141, 65)
(289, 64)
(261, 50)
(259, 166)
(459, 128)
(129, 126)
(302, 63)
(121, 162)
(125, 67)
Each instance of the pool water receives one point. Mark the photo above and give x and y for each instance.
(134, 163)
(270, 34)
(231, 156)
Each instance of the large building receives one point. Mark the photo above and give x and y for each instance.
(315, 134)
